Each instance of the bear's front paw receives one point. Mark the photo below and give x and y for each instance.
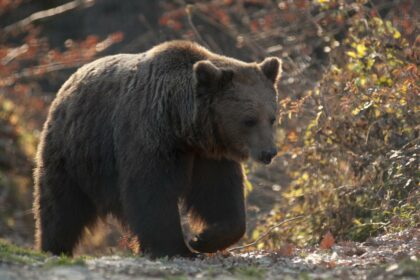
(216, 237)
(201, 245)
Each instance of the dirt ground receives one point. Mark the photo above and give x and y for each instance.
(392, 256)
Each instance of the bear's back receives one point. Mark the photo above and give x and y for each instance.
(102, 99)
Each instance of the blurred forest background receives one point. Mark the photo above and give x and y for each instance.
(349, 119)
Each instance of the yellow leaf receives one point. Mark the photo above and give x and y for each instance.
(362, 81)
(355, 111)
(370, 63)
(248, 187)
(361, 50)
(351, 54)
(357, 222)
(389, 109)
(378, 21)
(397, 34)
(255, 234)
(404, 88)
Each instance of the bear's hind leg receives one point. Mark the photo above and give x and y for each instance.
(216, 204)
(62, 211)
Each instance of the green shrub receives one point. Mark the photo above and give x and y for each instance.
(355, 169)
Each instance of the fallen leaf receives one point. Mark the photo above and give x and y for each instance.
(330, 264)
(327, 241)
(292, 136)
(287, 250)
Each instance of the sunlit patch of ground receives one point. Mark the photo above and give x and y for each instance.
(392, 256)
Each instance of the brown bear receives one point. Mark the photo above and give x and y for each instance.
(136, 135)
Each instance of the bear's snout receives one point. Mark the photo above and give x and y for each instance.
(267, 155)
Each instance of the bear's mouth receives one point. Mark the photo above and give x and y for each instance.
(261, 158)
(265, 161)
(239, 154)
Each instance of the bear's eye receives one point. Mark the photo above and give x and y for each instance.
(250, 122)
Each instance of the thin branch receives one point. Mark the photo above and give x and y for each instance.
(265, 234)
(228, 30)
(369, 129)
(41, 15)
(189, 9)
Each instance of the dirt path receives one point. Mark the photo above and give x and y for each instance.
(392, 256)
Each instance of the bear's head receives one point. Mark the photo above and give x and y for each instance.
(241, 100)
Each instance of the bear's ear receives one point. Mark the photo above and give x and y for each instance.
(209, 75)
(271, 67)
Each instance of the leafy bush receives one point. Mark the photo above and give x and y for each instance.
(355, 172)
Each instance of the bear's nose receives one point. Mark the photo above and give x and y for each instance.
(267, 156)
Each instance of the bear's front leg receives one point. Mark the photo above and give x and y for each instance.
(150, 203)
(216, 203)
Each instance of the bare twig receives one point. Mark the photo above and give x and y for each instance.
(41, 15)
(265, 234)
(368, 131)
(189, 9)
(229, 30)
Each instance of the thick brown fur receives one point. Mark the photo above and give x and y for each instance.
(132, 135)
